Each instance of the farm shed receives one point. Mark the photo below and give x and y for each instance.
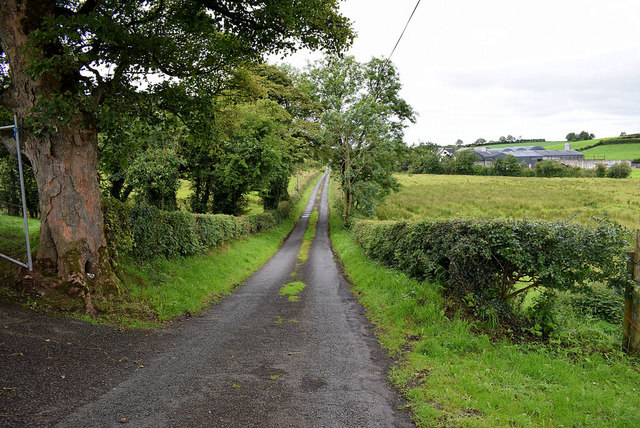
(530, 155)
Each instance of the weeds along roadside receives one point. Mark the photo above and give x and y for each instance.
(164, 288)
(160, 289)
(454, 376)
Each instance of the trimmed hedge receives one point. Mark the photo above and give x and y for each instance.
(492, 261)
(145, 232)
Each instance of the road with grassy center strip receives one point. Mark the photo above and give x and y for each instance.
(291, 347)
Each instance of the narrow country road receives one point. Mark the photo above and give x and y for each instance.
(255, 359)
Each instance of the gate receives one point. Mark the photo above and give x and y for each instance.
(23, 199)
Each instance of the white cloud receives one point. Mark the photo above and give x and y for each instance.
(537, 69)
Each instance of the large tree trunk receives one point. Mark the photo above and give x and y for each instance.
(72, 243)
(72, 255)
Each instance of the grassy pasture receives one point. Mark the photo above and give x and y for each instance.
(615, 151)
(548, 145)
(455, 196)
(453, 376)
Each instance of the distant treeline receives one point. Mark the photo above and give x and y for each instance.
(425, 159)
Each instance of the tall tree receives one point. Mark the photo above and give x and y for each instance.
(363, 125)
(62, 61)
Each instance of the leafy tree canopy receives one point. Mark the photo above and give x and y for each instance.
(66, 66)
(363, 125)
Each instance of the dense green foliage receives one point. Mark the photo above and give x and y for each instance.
(154, 174)
(71, 68)
(424, 159)
(248, 138)
(145, 231)
(492, 261)
(11, 201)
(582, 136)
(362, 125)
(619, 170)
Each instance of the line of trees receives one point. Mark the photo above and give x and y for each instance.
(582, 136)
(77, 74)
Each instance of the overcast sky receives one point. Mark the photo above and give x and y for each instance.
(535, 69)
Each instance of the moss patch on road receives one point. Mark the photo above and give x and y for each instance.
(292, 290)
(309, 234)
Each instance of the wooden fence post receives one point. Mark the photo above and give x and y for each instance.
(631, 323)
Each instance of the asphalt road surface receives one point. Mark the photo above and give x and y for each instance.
(255, 359)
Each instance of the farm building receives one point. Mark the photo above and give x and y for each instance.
(530, 155)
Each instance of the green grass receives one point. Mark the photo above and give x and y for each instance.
(450, 196)
(12, 234)
(12, 244)
(635, 173)
(309, 234)
(182, 285)
(615, 151)
(184, 190)
(292, 290)
(254, 204)
(548, 145)
(452, 376)
(161, 289)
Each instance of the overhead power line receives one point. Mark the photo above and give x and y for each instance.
(405, 29)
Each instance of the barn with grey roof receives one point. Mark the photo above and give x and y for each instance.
(530, 155)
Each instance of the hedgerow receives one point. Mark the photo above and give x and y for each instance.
(144, 231)
(487, 263)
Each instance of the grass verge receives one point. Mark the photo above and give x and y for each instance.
(452, 376)
(164, 289)
(161, 289)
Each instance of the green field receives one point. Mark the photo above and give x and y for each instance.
(614, 151)
(454, 196)
(452, 374)
(548, 145)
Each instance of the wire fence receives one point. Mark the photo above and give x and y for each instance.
(14, 225)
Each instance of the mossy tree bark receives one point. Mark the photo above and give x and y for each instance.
(72, 253)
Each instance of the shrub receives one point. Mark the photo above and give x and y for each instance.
(154, 175)
(117, 227)
(212, 230)
(601, 170)
(550, 168)
(145, 232)
(496, 260)
(599, 302)
(619, 170)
